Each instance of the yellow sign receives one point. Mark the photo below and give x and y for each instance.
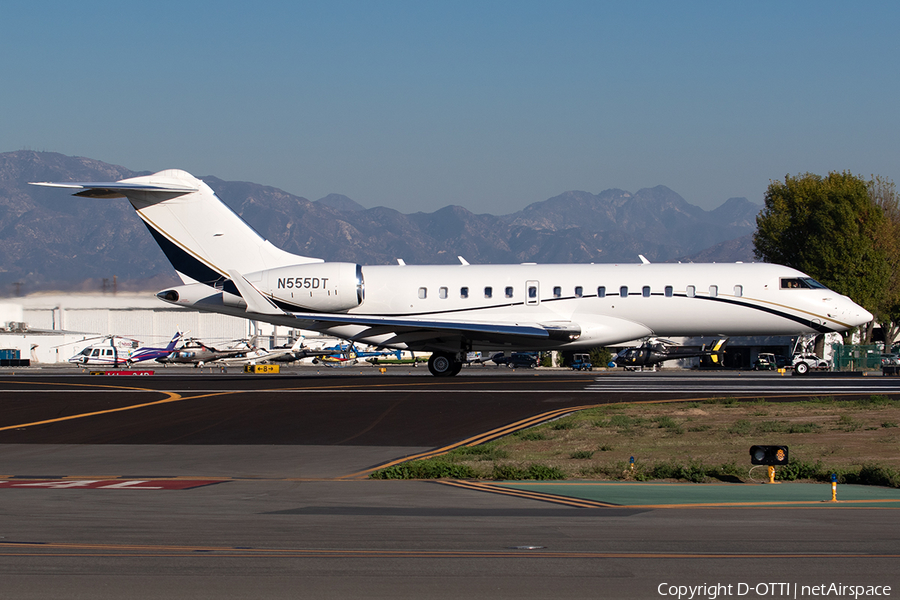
(262, 368)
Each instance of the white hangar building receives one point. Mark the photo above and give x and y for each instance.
(50, 328)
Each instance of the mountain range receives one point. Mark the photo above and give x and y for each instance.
(51, 240)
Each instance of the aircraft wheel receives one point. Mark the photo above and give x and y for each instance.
(443, 365)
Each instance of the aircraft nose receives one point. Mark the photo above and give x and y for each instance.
(863, 316)
(855, 315)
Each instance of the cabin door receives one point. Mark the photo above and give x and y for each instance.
(532, 293)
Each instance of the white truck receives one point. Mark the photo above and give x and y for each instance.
(804, 362)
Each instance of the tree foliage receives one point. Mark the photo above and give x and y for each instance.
(883, 194)
(830, 228)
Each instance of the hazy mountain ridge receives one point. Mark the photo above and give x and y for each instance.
(47, 237)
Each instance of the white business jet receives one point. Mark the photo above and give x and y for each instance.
(449, 310)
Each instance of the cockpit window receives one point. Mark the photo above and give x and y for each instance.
(805, 283)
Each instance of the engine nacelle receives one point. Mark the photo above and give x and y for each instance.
(318, 287)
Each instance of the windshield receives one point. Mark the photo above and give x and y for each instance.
(806, 283)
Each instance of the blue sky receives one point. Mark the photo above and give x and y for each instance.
(487, 105)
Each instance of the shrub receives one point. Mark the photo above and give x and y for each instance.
(426, 469)
(534, 471)
(543, 472)
(874, 475)
(802, 470)
(582, 454)
(507, 472)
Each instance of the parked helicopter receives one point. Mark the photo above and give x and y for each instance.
(116, 350)
(657, 350)
(345, 355)
(194, 352)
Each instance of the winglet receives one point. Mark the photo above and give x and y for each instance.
(256, 302)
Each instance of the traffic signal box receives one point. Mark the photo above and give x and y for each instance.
(769, 455)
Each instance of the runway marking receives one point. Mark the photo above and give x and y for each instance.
(172, 397)
(55, 549)
(109, 484)
(552, 498)
(475, 440)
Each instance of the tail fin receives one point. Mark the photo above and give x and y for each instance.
(171, 345)
(199, 234)
(717, 350)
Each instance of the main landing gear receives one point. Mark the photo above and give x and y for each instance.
(444, 364)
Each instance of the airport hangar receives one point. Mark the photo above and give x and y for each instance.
(52, 327)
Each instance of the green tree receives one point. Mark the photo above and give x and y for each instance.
(827, 227)
(883, 193)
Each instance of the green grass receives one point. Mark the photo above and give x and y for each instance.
(692, 441)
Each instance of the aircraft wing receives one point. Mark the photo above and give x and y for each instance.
(401, 326)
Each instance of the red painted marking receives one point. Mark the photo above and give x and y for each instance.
(108, 484)
(122, 372)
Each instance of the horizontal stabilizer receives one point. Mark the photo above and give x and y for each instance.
(118, 189)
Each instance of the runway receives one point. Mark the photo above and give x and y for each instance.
(284, 510)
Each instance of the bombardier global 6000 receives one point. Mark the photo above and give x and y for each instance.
(449, 310)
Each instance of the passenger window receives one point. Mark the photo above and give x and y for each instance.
(691, 291)
(645, 291)
(509, 292)
(713, 291)
(423, 293)
(95, 353)
(738, 290)
(488, 292)
(579, 291)
(557, 292)
(601, 291)
(532, 292)
(623, 291)
(463, 292)
(442, 293)
(669, 291)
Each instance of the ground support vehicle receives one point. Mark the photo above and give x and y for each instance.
(581, 362)
(804, 363)
(765, 362)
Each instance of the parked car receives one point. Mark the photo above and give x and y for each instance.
(890, 359)
(526, 360)
(803, 363)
